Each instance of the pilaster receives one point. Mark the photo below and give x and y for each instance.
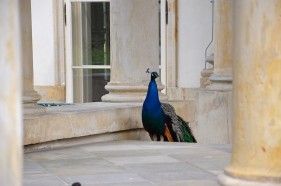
(215, 103)
(221, 79)
(134, 45)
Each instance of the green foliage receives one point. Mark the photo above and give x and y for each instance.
(100, 57)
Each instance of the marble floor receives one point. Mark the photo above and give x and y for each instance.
(127, 163)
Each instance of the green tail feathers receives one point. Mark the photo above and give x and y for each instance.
(186, 131)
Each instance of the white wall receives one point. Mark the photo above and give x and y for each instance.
(43, 42)
(194, 34)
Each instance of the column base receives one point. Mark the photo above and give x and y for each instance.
(220, 82)
(30, 107)
(227, 180)
(125, 93)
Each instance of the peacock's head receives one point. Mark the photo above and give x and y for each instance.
(154, 75)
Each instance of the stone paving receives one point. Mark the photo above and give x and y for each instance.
(127, 163)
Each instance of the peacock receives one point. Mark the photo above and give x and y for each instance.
(160, 119)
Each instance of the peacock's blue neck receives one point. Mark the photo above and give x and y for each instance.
(152, 94)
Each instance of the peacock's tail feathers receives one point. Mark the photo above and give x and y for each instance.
(168, 134)
(187, 135)
(179, 129)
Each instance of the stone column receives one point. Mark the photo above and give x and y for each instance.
(10, 95)
(134, 42)
(256, 154)
(30, 96)
(221, 79)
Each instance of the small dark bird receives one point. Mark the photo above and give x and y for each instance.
(76, 184)
(160, 120)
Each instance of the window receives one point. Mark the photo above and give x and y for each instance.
(88, 50)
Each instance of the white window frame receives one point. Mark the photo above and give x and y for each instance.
(68, 50)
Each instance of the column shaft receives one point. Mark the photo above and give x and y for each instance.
(30, 96)
(257, 95)
(10, 95)
(134, 33)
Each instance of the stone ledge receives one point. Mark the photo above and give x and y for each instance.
(135, 134)
(80, 120)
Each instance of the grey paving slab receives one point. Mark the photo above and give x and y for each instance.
(125, 163)
(111, 148)
(141, 159)
(108, 178)
(79, 166)
(123, 153)
(176, 176)
(33, 168)
(216, 172)
(94, 169)
(197, 152)
(190, 183)
(160, 167)
(123, 184)
(209, 163)
(65, 153)
(43, 180)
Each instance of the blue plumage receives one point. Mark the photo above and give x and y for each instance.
(160, 120)
(153, 117)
